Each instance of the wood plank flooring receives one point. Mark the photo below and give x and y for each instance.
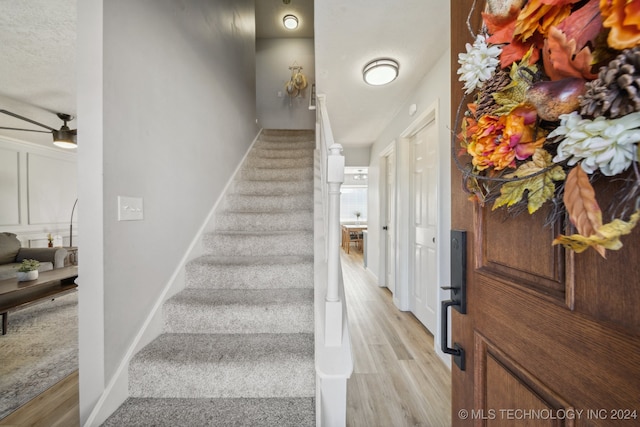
(56, 407)
(397, 381)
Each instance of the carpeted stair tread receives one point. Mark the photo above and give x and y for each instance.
(224, 365)
(293, 145)
(260, 261)
(267, 203)
(271, 174)
(297, 153)
(259, 243)
(278, 163)
(240, 311)
(257, 272)
(254, 187)
(237, 412)
(273, 220)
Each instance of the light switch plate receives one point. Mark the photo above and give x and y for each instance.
(130, 208)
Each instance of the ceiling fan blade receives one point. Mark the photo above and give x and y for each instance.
(26, 130)
(17, 116)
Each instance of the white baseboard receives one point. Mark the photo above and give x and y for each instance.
(117, 389)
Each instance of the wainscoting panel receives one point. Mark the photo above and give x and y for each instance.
(9, 187)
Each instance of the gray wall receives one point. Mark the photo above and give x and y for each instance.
(273, 59)
(356, 156)
(178, 114)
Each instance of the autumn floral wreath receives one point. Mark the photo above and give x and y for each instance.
(552, 103)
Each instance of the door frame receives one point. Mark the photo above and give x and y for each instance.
(404, 276)
(384, 201)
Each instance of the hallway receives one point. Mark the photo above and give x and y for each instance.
(398, 379)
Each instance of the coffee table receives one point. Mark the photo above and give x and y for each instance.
(14, 294)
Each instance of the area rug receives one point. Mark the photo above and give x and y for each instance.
(39, 349)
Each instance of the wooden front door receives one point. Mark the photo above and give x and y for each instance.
(551, 337)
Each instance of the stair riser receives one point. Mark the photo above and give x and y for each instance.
(282, 154)
(265, 188)
(305, 137)
(284, 146)
(248, 203)
(226, 379)
(249, 276)
(257, 245)
(264, 174)
(242, 221)
(281, 412)
(278, 163)
(237, 319)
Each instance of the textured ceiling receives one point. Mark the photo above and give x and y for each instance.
(37, 47)
(37, 70)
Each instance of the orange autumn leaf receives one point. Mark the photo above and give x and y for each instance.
(622, 17)
(540, 15)
(498, 26)
(580, 200)
(583, 25)
(561, 59)
(502, 30)
(516, 50)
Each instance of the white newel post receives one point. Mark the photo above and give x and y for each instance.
(333, 312)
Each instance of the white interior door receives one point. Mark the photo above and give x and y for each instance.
(424, 286)
(391, 220)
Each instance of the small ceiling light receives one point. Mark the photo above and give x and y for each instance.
(65, 137)
(290, 22)
(380, 71)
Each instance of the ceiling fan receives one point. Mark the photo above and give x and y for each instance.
(64, 137)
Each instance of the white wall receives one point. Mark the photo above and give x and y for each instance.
(38, 188)
(273, 59)
(434, 89)
(171, 110)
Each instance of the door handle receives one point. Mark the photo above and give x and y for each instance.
(385, 228)
(457, 351)
(458, 290)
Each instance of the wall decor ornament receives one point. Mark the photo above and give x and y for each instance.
(297, 82)
(552, 104)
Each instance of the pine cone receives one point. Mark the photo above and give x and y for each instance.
(616, 91)
(486, 104)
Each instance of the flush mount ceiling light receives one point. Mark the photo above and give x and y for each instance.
(64, 137)
(290, 22)
(360, 175)
(380, 71)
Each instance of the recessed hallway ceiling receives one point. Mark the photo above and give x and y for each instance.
(37, 47)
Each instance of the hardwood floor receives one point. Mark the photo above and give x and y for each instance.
(398, 380)
(56, 407)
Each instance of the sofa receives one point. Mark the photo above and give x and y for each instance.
(12, 253)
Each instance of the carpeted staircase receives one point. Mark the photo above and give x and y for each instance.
(238, 345)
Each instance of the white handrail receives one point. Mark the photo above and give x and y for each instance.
(334, 360)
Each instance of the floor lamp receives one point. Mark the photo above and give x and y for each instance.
(71, 224)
